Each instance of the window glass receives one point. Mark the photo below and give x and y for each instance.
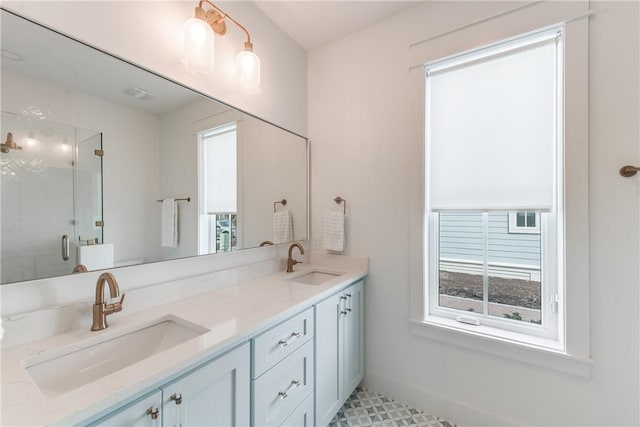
(484, 269)
(514, 285)
(461, 261)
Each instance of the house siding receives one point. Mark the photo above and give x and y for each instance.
(461, 239)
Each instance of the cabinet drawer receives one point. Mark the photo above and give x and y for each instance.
(283, 388)
(302, 416)
(280, 341)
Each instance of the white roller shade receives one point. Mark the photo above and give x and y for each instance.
(221, 170)
(491, 127)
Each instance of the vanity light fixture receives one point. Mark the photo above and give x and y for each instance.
(9, 144)
(199, 42)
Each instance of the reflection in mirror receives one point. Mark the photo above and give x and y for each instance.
(160, 141)
(51, 197)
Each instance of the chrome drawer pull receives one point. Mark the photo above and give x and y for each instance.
(293, 386)
(294, 335)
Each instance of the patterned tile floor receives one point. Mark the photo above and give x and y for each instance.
(366, 408)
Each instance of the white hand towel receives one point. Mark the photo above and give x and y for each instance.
(282, 227)
(333, 230)
(169, 223)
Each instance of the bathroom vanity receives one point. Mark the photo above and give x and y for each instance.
(283, 349)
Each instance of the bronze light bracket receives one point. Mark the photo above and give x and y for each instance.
(215, 17)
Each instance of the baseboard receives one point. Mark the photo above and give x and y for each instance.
(450, 410)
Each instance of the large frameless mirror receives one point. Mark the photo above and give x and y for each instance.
(164, 173)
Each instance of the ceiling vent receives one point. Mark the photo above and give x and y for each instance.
(137, 93)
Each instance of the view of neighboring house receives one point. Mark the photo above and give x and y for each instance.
(495, 253)
(513, 244)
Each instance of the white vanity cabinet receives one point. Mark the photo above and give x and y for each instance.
(298, 372)
(216, 393)
(283, 377)
(339, 335)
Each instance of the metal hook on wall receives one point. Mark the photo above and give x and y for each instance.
(629, 171)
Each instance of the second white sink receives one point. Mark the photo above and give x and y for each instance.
(65, 369)
(316, 277)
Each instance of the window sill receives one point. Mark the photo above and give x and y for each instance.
(535, 351)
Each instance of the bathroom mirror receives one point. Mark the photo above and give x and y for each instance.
(156, 150)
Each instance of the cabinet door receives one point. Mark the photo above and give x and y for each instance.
(216, 394)
(329, 314)
(144, 412)
(353, 338)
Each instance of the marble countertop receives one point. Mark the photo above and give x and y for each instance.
(233, 315)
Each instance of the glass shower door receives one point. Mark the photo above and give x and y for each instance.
(41, 223)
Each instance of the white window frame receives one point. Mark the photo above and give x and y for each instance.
(551, 244)
(514, 228)
(573, 354)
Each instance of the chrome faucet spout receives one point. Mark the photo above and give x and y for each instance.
(290, 261)
(100, 308)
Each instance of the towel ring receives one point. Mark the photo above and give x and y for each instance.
(283, 202)
(339, 200)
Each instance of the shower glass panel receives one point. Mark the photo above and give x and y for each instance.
(50, 189)
(88, 187)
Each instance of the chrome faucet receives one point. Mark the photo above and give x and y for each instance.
(101, 309)
(290, 261)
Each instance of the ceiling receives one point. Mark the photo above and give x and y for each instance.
(312, 23)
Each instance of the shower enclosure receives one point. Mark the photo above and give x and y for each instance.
(51, 195)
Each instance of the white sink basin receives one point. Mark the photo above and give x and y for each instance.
(65, 369)
(316, 277)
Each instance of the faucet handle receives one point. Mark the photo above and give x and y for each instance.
(115, 307)
(119, 303)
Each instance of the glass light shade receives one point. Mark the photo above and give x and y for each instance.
(248, 71)
(198, 47)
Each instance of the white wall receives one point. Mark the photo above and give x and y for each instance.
(364, 134)
(274, 168)
(130, 174)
